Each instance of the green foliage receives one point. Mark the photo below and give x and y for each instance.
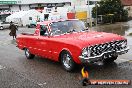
(114, 7)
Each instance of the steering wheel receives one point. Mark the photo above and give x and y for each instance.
(57, 32)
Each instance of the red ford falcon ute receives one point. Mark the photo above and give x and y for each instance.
(71, 43)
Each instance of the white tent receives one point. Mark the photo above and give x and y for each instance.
(24, 17)
(61, 13)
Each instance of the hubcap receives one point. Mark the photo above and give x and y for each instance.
(27, 53)
(1, 28)
(67, 61)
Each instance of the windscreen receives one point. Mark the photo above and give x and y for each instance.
(67, 27)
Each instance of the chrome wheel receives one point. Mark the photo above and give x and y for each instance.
(28, 54)
(67, 61)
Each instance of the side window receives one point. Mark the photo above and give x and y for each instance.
(46, 16)
(43, 30)
(30, 18)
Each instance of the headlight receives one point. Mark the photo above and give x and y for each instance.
(86, 52)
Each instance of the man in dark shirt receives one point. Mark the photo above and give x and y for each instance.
(13, 29)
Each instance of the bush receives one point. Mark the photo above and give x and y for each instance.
(112, 11)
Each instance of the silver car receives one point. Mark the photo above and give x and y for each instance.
(5, 25)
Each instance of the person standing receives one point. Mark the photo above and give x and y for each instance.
(13, 29)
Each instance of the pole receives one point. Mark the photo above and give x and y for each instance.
(89, 15)
(96, 13)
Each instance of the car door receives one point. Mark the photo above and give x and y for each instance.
(43, 43)
(6, 24)
(44, 47)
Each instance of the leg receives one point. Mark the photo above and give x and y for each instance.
(13, 37)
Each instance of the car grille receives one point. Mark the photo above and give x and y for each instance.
(107, 47)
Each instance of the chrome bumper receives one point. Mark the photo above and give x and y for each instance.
(103, 56)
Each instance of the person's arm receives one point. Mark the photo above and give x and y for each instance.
(10, 27)
(16, 27)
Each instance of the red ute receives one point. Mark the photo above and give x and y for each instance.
(71, 43)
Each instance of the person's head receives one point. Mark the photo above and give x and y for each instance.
(43, 27)
(11, 22)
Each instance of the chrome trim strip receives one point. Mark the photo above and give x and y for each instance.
(30, 47)
(55, 52)
(44, 50)
(39, 49)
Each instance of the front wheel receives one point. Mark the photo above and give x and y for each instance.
(28, 54)
(67, 61)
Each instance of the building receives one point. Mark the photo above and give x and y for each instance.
(127, 2)
(8, 7)
(128, 5)
(16, 5)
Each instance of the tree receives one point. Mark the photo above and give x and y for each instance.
(107, 7)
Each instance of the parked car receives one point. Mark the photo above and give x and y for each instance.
(32, 24)
(70, 43)
(5, 25)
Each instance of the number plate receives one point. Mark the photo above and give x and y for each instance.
(109, 55)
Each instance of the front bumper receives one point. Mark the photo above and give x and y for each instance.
(104, 55)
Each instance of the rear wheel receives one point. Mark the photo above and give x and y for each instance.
(28, 26)
(1, 28)
(67, 61)
(110, 60)
(28, 54)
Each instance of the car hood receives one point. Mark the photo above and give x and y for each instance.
(84, 39)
